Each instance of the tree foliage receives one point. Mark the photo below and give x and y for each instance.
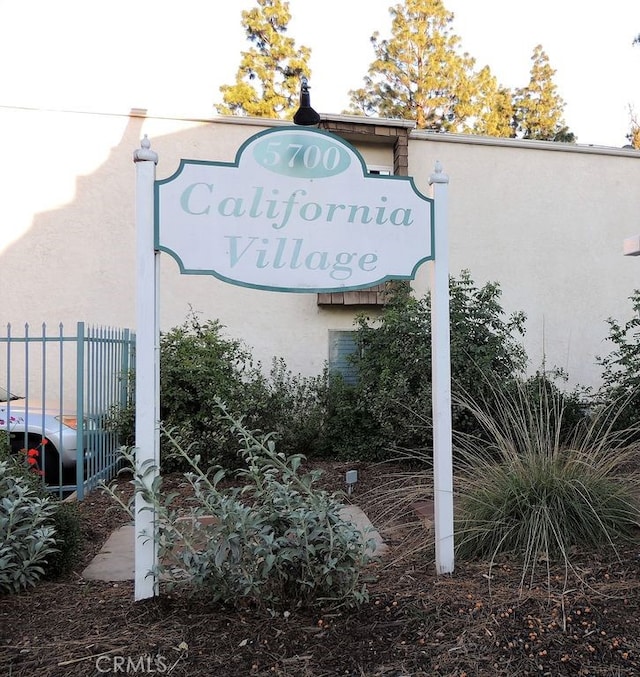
(538, 106)
(268, 78)
(494, 116)
(421, 73)
(634, 133)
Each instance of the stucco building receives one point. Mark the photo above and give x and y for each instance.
(545, 220)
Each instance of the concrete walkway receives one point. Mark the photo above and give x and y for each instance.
(115, 561)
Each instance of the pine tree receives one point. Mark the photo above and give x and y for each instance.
(634, 133)
(493, 111)
(538, 106)
(419, 73)
(268, 78)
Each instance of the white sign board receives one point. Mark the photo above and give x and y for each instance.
(297, 211)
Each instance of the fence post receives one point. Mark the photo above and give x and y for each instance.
(80, 378)
(124, 370)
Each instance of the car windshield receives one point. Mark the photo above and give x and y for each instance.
(5, 395)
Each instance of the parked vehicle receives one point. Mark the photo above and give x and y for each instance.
(28, 424)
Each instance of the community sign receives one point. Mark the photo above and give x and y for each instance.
(297, 211)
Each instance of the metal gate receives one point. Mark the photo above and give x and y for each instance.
(60, 399)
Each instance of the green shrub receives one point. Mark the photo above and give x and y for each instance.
(197, 366)
(68, 537)
(387, 414)
(350, 431)
(296, 411)
(27, 536)
(567, 410)
(621, 367)
(394, 362)
(5, 446)
(276, 539)
(529, 494)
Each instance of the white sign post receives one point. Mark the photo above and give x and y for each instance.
(296, 212)
(147, 372)
(441, 382)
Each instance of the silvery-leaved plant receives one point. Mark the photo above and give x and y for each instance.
(265, 535)
(26, 531)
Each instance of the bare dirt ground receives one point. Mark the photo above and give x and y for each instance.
(474, 622)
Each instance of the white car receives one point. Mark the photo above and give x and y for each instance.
(25, 428)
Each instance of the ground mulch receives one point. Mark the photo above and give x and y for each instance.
(478, 621)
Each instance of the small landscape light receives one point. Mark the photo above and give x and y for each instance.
(351, 477)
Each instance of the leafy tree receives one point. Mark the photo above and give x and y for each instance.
(538, 106)
(268, 78)
(419, 73)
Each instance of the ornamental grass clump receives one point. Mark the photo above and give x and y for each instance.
(527, 489)
(264, 535)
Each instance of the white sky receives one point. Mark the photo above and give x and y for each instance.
(172, 56)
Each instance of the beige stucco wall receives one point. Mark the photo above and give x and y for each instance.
(547, 224)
